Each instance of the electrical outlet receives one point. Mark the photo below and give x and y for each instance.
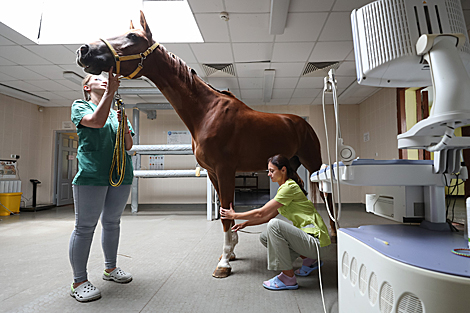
(366, 137)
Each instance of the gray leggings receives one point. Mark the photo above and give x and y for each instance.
(285, 243)
(91, 202)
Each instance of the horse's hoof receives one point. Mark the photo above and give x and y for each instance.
(221, 272)
(232, 257)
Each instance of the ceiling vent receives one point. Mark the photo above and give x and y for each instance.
(319, 69)
(219, 70)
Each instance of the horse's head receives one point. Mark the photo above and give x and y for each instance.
(97, 56)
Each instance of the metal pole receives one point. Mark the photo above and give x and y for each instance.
(136, 162)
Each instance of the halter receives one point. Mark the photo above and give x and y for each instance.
(142, 56)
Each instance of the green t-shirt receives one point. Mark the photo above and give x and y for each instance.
(301, 211)
(96, 148)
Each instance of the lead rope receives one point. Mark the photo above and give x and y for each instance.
(119, 154)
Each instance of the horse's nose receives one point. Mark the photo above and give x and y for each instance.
(84, 49)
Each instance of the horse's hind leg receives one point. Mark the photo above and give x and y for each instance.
(329, 201)
(226, 180)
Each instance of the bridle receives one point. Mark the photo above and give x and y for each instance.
(142, 56)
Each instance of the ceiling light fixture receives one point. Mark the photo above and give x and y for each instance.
(278, 16)
(73, 77)
(22, 95)
(268, 84)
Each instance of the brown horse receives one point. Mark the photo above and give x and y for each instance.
(227, 136)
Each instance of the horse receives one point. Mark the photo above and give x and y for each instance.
(227, 136)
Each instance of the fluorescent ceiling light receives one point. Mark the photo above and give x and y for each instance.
(268, 85)
(278, 16)
(73, 77)
(22, 95)
(61, 22)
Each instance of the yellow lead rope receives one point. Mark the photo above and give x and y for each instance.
(119, 154)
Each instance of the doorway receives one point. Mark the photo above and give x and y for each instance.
(66, 167)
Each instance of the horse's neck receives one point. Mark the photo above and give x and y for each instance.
(188, 94)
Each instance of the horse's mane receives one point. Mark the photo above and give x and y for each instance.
(190, 72)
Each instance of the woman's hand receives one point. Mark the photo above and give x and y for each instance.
(119, 117)
(227, 214)
(113, 82)
(238, 226)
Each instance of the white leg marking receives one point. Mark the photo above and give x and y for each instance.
(228, 248)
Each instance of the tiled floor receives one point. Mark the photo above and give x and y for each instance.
(171, 252)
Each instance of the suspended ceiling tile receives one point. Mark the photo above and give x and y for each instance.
(14, 36)
(251, 69)
(310, 82)
(288, 69)
(248, 6)
(285, 82)
(56, 54)
(18, 84)
(198, 6)
(349, 5)
(252, 52)
(49, 85)
(306, 92)
(302, 27)
(224, 83)
(212, 27)
(182, 50)
(337, 27)
(346, 68)
(21, 55)
(310, 5)
(299, 101)
(282, 93)
(352, 100)
(197, 68)
(5, 42)
(4, 61)
(251, 93)
(250, 28)
(5, 78)
(250, 83)
(331, 51)
(70, 94)
(291, 52)
(278, 101)
(212, 53)
(20, 72)
(63, 101)
(48, 71)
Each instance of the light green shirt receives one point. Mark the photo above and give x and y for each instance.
(301, 211)
(96, 148)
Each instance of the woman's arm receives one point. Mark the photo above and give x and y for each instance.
(98, 118)
(253, 217)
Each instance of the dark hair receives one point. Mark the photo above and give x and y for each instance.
(280, 161)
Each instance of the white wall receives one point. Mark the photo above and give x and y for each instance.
(30, 133)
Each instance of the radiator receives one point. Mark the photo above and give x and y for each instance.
(10, 186)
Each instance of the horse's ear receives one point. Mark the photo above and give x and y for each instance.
(132, 25)
(145, 27)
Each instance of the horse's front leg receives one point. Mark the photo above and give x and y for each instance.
(226, 195)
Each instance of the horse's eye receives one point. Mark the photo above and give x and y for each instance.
(131, 36)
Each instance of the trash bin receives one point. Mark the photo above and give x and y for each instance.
(11, 201)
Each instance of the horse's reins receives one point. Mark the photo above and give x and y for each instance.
(119, 154)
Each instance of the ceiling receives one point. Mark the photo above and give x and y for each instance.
(316, 31)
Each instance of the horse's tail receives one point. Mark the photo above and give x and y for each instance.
(314, 192)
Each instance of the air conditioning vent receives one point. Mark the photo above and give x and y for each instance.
(219, 70)
(319, 69)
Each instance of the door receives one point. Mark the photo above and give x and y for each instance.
(67, 167)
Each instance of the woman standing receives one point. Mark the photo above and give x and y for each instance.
(286, 242)
(93, 195)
